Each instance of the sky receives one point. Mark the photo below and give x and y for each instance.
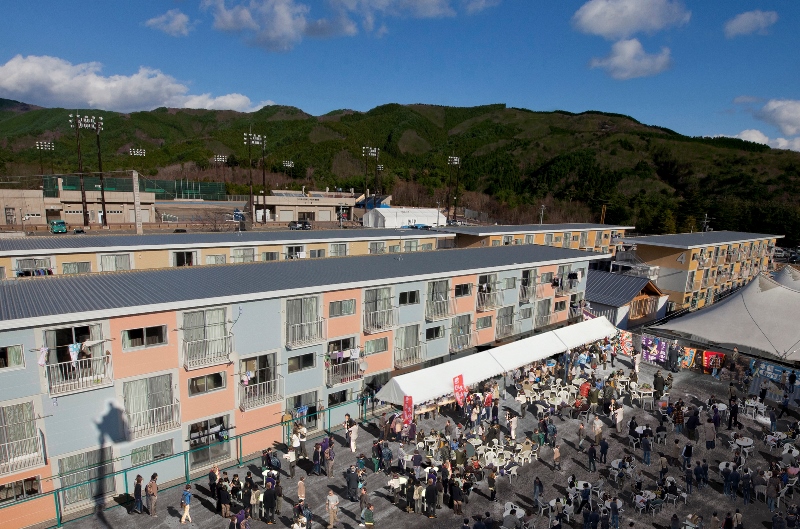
(700, 68)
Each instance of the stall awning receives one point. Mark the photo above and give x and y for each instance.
(437, 381)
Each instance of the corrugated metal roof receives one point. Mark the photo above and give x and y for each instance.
(528, 228)
(699, 239)
(67, 243)
(615, 290)
(105, 294)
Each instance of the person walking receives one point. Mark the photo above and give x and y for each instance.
(592, 453)
(614, 513)
(363, 503)
(369, 516)
(687, 456)
(329, 458)
(301, 489)
(597, 428)
(186, 500)
(646, 448)
(317, 458)
(733, 413)
(538, 490)
(332, 508)
(581, 434)
(688, 476)
(137, 494)
(491, 482)
(663, 464)
(784, 405)
(603, 450)
(270, 500)
(151, 492)
(556, 457)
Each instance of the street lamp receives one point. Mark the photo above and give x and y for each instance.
(138, 152)
(453, 161)
(251, 139)
(220, 159)
(45, 146)
(289, 164)
(378, 170)
(79, 122)
(369, 152)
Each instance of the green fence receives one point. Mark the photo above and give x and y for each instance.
(163, 189)
(234, 441)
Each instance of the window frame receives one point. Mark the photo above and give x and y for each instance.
(206, 391)
(462, 286)
(37, 478)
(480, 326)
(13, 368)
(341, 314)
(562, 304)
(116, 255)
(408, 293)
(436, 335)
(300, 368)
(385, 339)
(193, 253)
(264, 255)
(77, 265)
(144, 338)
(526, 310)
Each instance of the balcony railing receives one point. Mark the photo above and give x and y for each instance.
(81, 375)
(706, 282)
(19, 455)
(489, 300)
(703, 262)
(440, 309)
(377, 251)
(575, 314)
(506, 328)
(642, 307)
(380, 320)
(156, 420)
(460, 342)
(303, 334)
(527, 293)
(207, 352)
(257, 395)
(543, 320)
(409, 356)
(343, 373)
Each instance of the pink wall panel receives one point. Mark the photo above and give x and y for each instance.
(146, 359)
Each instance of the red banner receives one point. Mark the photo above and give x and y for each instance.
(408, 409)
(459, 390)
(708, 355)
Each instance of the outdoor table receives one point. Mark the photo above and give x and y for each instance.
(475, 441)
(579, 485)
(750, 404)
(619, 504)
(640, 429)
(670, 479)
(398, 482)
(520, 511)
(648, 494)
(615, 464)
(762, 419)
(730, 464)
(744, 442)
(721, 407)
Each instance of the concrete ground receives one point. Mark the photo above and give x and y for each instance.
(694, 387)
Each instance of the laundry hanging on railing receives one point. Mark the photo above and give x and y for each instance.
(43, 352)
(74, 351)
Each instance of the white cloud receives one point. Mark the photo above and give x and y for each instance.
(174, 23)
(51, 81)
(783, 113)
(757, 136)
(628, 60)
(614, 19)
(746, 100)
(474, 6)
(750, 22)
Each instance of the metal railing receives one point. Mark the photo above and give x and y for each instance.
(302, 334)
(19, 455)
(439, 309)
(409, 356)
(460, 342)
(81, 375)
(377, 251)
(207, 352)
(642, 307)
(342, 373)
(156, 420)
(703, 261)
(380, 320)
(705, 282)
(567, 288)
(543, 320)
(257, 395)
(530, 292)
(506, 328)
(575, 314)
(489, 300)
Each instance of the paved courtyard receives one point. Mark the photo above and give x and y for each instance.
(692, 386)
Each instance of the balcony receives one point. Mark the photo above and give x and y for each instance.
(528, 293)
(575, 315)
(489, 300)
(703, 262)
(82, 375)
(380, 320)
(207, 352)
(409, 356)
(440, 309)
(707, 281)
(154, 421)
(506, 328)
(461, 342)
(544, 320)
(304, 334)
(567, 288)
(343, 373)
(257, 395)
(19, 455)
(640, 308)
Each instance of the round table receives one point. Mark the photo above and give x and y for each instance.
(780, 436)
(615, 464)
(640, 429)
(475, 441)
(730, 464)
(789, 449)
(721, 407)
(619, 504)
(579, 485)
(510, 506)
(649, 494)
(744, 442)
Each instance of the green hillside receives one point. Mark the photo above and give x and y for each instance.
(513, 160)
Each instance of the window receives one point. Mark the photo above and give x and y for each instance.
(483, 323)
(543, 307)
(338, 397)
(304, 408)
(270, 256)
(301, 362)
(410, 297)
(215, 259)
(59, 340)
(395, 248)
(338, 250)
(557, 238)
(377, 247)
(260, 369)
(411, 246)
(576, 237)
(561, 305)
(12, 356)
(145, 337)
(496, 242)
(567, 239)
(464, 289)
(690, 281)
(148, 405)
(76, 268)
(207, 383)
(434, 333)
(577, 297)
(346, 307)
(146, 454)
(529, 239)
(17, 490)
(2, 272)
(547, 278)
(510, 283)
(19, 441)
(345, 344)
(507, 239)
(316, 254)
(205, 325)
(184, 258)
(115, 262)
(207, 434)
(378, 345)
(244, 255)
(426, 247)
(295, 252)
(94, 470)
(526, 313)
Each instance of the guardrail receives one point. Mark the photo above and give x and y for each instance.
(380, 320)
(409, 356)
(80, 375)
(156, 420)
(207, 352)
(303, 334)
(257, 395)
(19, 455)
(439, 309)
(343, 373)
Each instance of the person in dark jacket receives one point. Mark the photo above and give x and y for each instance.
(430, 499)
(137, 495)
(457, 497)
(351, 478)
(224, 499)
(270, 500)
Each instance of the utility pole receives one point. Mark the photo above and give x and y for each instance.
(603, 215)
(263, 180)
(378, 170)
(251, 139)
(453, 161)
(98, 127)
(541, 215)
(77, 122)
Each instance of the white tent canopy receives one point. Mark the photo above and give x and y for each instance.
(437, 381)
(399, 217)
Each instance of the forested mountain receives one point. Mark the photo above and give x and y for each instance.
(512, 160)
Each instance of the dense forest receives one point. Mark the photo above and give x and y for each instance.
(512, 161)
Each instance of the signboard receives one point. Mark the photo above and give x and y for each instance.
(459, 390)
(687, 360)
(654, 349)
(708, 355)
(767, 370)
(625, 343)
(408, 409)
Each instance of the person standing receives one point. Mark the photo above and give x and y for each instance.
(733, 413)
(784, 405)
(329, 458)
(581, 434)
(762, 394)
(430, 499)
(353, 436)
(735, 478)
(556, 457)
(302, 434)
(597, 427)
(291, 457)
(224, 499)
(687, 456)
(491, 482)
(213, 477)
(332, 508)
(618, 416)
(351, 478)
(689, 477)
(663, 464)
(301, 489)
(646, 447)
(137, 494)
(592, 453)
(152, 495)
(270, 500)
(369, 516)
(677, 417)
(186, 500)
(538, 490)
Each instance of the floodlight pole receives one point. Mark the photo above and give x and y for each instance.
(98, 126)
(76, 124)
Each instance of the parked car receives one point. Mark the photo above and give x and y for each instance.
(306, 224)
(780, 253)
(57, 226)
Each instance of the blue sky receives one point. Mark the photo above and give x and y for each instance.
(700, 68)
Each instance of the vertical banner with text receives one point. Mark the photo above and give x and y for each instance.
(408, 409)
(459, 390)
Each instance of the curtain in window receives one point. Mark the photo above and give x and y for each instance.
(460, 325)
(376, 299)
(407, 337)
(215, 323)
(438, 290)
(15, 358)
(505, 316)
(193, 326)
(303, 310)
(92, 465)
(17, 423)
